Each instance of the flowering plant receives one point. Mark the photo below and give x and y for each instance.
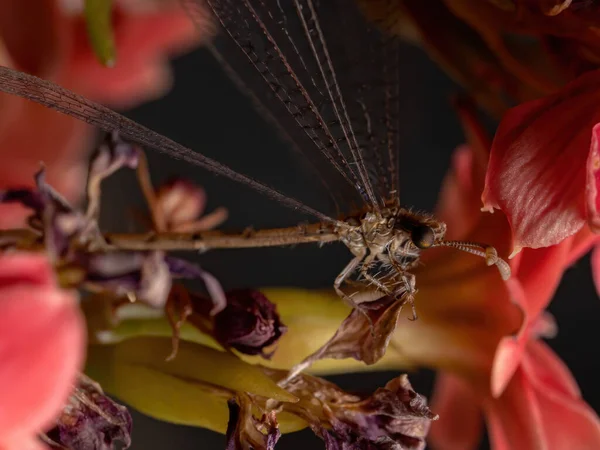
(150, 337)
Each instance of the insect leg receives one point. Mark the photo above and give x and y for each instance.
(364, 270)
(351, 267)
(408, 281)
(408, 285)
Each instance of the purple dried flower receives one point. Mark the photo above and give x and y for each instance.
(392, 418)
(27, 197)
(181, 268)
(249, 323)
(91, 421)
(112, 155)
(142, 275)
(52, 214)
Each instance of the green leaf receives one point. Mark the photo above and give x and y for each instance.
(192, 389)
(99, 28)
(312, 317)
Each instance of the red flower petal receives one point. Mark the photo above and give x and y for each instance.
(593, 181)
(581, 243)
(27, 269)
(536, 276)
(33, 33)
(39, 134)
(541, 408)
(539, 272)
(538, 168)
(514, 420)
(43, 338)
(506, 362)
(545, 368)
(511, 348)
(460, 424)
(143, 41)
(596, 268)
(458, 201)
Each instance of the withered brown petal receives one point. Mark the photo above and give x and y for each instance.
(244, 431)
(91, 420)
(364, 335)
(393, 417)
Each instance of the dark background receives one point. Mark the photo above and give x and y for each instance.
(206, 112)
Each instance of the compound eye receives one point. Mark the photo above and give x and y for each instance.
(423, 236)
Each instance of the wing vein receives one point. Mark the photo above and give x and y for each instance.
(62, 100)
(344, 121)
(263, 70)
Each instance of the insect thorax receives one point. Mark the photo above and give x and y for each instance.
(389, 232)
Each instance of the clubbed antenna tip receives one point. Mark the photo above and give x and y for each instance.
(487, 252)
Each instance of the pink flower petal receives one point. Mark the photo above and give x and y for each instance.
(506, 361)
(33, 33)
(541, 408)
(568, 422)
(537, 170)
(478, 140)
(59, 141)
(460, 424)
(514, 420)
(543, 366)
(458, 203)
(582, 243)
(25, 268)
(23, 443)
(143, 40)
(42, 339)
(539, 273)
(593, 181)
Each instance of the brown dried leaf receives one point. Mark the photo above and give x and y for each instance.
(364, 335)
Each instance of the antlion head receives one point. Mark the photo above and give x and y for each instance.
(426, 232)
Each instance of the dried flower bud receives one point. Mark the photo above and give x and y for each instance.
(91, 421)
(180, 202)
(249, 323)
(178, 205)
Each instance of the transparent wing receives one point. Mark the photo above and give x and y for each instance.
(329, 79)
(67, 102)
